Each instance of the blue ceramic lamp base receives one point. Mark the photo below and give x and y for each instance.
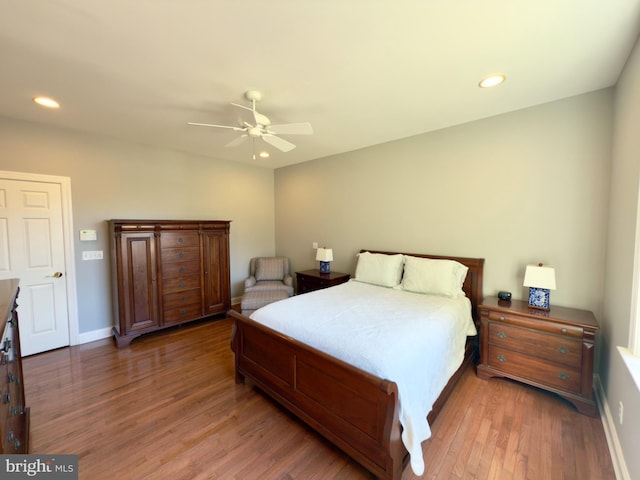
(325, 267)
(539, 298)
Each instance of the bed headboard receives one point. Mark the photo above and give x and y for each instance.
(472, 284)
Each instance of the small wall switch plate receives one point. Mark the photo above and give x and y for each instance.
(92, 255)
(88, 235)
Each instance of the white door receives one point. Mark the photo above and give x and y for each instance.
(32, 249)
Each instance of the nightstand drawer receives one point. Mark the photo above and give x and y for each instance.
(535, 369)
(538, 324)
(311, 280)
(552, 348)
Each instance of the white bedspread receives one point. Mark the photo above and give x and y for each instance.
(414, 340)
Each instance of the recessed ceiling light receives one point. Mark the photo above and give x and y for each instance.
(492, 80)
(264, 154)
(46, 102)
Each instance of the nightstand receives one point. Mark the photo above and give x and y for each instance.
(310, 280)
(552, 350)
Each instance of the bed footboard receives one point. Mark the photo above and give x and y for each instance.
(353, 409)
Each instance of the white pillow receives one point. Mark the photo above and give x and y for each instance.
(379, 268)
(434, 276)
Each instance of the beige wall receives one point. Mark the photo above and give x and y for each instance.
(525, 187)
(622, 255)
(110, 179)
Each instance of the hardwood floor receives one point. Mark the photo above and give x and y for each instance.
(167, 407)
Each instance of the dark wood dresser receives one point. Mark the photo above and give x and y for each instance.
(14, 415)
(167, 272)
(552, 350)
(310, 280)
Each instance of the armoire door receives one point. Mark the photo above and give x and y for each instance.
(216, 271)
(138, 292)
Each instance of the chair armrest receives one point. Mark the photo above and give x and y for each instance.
(288, 280)
(250, 282)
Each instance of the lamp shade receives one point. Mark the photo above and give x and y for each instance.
(324, 255)
(539, 276)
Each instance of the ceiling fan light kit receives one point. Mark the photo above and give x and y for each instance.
(262, 128)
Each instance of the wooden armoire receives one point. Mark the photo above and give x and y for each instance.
(167, 272)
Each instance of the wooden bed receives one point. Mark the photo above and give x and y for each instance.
(353, 409)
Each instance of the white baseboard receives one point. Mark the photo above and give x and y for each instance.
(94, 335)
(101, 333)
(617, 457)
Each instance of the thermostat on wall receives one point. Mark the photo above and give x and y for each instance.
(88, 235)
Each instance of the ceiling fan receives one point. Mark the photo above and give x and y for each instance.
(262, 128)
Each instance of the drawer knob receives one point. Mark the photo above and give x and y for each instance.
(563, 330)
(181, 269)
(183, 299)
(501, 318)
(502, 335)
(563, 349)
(563, 376)
(181, 284)
(180, 240)
(181, 254)
(502, 358)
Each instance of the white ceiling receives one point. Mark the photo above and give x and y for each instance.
(362, 72)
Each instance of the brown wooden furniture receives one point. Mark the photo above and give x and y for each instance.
(310, 280)
(355, 410)
(552, 350)
(14, 415)
(167, 272)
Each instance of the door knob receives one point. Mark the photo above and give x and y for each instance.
(57, 275)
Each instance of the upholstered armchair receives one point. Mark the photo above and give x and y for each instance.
(269, 280)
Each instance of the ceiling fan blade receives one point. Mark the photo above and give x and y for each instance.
(259, 118)
(237, 141)
(242, 106)
(303, 128)
(278, 142)
(237, 129)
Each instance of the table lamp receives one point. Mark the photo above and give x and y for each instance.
(324, 256)
(540, 280)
